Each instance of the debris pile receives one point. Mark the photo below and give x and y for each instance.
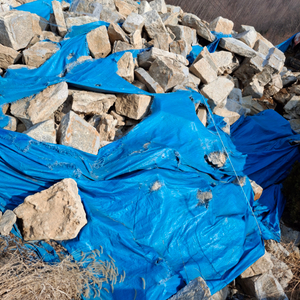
(239, 73)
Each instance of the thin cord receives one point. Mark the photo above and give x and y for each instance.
(232, 166)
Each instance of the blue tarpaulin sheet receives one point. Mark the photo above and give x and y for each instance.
(142, 193)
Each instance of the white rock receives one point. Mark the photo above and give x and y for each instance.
(159, 6)
(144, 7)
(133, 22)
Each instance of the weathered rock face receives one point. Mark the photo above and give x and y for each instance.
(77, 133)
(43, 132)
(133, 106)
(98, 42)
(7, 221)
(77, 21)
(36, 55)
(154, 26)
(116, 33)
(106, 127)
(8, 56)
(126, 67)
(38, 108)
(56, 213)
(221, 25)
(85, 102)
(133, 22)
(236, 46)
(144, 77)
(59, 18)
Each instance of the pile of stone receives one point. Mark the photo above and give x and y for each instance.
(244, 76)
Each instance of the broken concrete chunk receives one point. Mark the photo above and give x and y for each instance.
(106, 127)
(146, 58)
(221, 25)
(237, 47)
(116, 33)
(55, 213)
(7, 221)
(43, 132)
(196, 289)
(59, 18)
(153, 24)
(36, 55)
(75, 132)
(159, 6)
(218, 90)
(144, 77)
(133, 106)
(133, 22)
(8, 56)
(111, 16)
(78, 21)
(16, 29)
(261, 266)
(193, 21)
(126, 67)
(98, 42)
(168, 73)
(85, 102)
(40, 107)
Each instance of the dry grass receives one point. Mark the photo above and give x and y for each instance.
(24, 276)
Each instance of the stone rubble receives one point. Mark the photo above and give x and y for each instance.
(244, 76)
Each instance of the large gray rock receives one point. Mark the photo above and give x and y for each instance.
(218, 90)
(56, 213)
(261, 266)
(146, 58)
(195, 290)
(36, 55)
(237, 47)
(133, 22)
(265, 286)
(75, 132)
(38, 108)
(153, 24)
(59, 18)
(7, 221)
(8, 56)
(133, 106)
(168, 73)
(221, 25)
(16, 29)
(193, 21)
(126, 67)
(98, 42)
(144, 77)
(43, 132)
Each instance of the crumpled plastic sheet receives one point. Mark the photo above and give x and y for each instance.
(142, 193)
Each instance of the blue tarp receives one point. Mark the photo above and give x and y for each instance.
(166, 235)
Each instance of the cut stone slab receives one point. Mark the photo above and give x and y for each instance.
(98, 42)
(12, 123)
(144, 7)
(59, 18)
(116, 33)
(38, 108)
(218, 90)
(111, 16)
(133, 106)
(126, 67)
(78, 21)
(237, 47)
(159, 6)
(168, 73)
(153, 24)
(16, 29)
(144, 77)
(193, 21)
(8, 56)
(133, 22)
(261, 266)
(221, 25)
(106, 128)
(7, 221)
(265, 286)
(75, 132)
(56, 213)
(195, 290)
(295, 125)
(43, 132)
(146, 58)
(36, 55)
(225, 61)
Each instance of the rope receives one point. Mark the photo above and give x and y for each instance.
(237, 177)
